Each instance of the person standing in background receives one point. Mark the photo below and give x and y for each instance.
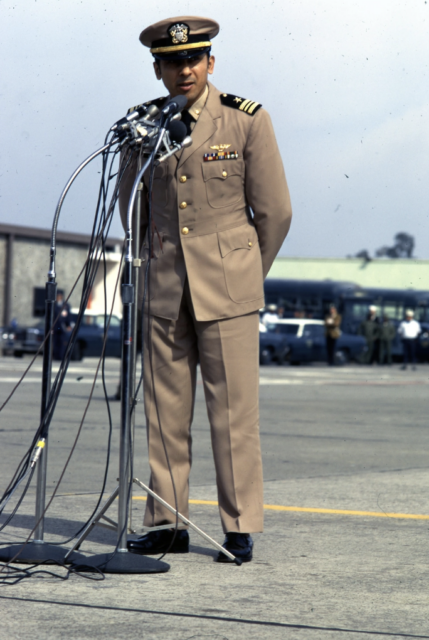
(62, 327)
(270, 314)
(332, 333)
(370, 330)
(387, 334)
(409, 330)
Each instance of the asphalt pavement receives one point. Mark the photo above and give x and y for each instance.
(345, 548)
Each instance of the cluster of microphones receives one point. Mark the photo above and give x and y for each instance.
(146, 124)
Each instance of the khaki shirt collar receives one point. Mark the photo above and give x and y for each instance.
(198, 106)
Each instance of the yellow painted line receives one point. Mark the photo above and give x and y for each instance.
(346, 512)
(342, 512)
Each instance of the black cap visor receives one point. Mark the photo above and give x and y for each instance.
(185, 54)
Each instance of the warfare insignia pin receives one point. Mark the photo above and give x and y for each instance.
(179, 33)
(220, 147)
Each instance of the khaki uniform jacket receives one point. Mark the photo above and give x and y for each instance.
(218, 223)
(332, 329)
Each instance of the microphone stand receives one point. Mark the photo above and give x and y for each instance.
(122, 561)
(37, 551)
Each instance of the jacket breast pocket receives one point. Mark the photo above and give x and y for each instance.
(224, 180)
(242, 263)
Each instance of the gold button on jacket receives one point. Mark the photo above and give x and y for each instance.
(185, 231)
(230, 251)
(183, 178)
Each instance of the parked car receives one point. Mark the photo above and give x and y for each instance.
(90, 337)
(307, 343)
(7, 339)
(273, 347)
(89, 341)
(28, 339)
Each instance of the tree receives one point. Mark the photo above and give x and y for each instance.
(403, 247)
(364, 254)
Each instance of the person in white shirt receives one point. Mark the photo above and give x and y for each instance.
(270, 314)
(409, 330)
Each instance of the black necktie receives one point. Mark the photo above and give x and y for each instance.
(187, 119)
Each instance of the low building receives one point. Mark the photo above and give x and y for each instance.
(391, 273)
(24, 264)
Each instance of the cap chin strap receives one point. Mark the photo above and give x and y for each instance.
(181, 47)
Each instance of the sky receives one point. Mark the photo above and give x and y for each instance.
(346, 85)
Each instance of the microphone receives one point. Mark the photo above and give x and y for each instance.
(152, 112)
(177, 131)
(139, 112)
(175, 105)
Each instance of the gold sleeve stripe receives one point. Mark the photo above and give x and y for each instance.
(252, 107)
(244, 104)
(181, 47)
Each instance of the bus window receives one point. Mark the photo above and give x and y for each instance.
(393, 310)
(421, 312)
(356, 310)
(290, 305)
(312, 306)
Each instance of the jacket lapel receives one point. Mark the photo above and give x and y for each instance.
(206, 125)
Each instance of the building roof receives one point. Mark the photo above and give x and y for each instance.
(45, 234)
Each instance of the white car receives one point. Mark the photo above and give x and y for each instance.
(307, 341)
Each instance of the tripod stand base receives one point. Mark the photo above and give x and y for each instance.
(38, 553)
(121, 562)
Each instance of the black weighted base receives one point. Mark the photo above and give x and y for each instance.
(121, 562)
(38, 553)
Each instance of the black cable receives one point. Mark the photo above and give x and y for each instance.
(105, 221)
(97, 238)
(111, 208)
(19, 574)
(18, 504)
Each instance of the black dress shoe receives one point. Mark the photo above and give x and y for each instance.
(156, 542)
(239, 544)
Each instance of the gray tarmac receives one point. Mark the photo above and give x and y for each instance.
(345, 548)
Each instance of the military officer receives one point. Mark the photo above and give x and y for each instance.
(221, 211)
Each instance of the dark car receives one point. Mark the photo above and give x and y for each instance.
(273, 347)
(7, 340)
(307, 342)
(90, 337)
(89, 340)
(28, 339)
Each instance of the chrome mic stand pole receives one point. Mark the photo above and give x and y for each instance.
(135, 318)
(121, 560)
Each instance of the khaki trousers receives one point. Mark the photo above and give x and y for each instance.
(228, 353)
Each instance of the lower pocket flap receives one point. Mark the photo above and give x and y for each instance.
(243, 237)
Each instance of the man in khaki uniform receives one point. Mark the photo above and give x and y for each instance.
(220, 213)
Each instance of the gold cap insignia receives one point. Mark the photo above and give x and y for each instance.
(179, 33)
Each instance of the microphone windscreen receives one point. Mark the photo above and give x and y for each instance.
(181, 102)
(177, 130)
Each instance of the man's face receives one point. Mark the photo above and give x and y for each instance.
(185, 77)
